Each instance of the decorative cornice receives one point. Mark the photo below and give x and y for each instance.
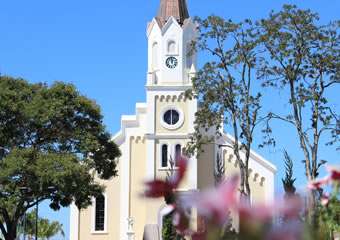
(167, 136)
(227, 138)
(254, 176)
(168, 88)
(171, 98)
(137, 139)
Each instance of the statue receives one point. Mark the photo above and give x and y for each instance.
(130, 232)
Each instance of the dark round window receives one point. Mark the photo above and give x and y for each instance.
(171, 117)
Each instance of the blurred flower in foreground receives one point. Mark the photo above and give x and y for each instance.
(325, 199)
(165, 188)
(334, 173)
(332, 178)
(214, 206)
(215, 203)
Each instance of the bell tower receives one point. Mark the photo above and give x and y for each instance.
(170, 118)
(170, 35)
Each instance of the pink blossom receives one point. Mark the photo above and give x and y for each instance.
(182, 164)
(291, 208)
(325, 199)
(157, 189)
(334, 173)
(333, 177)
(318, 184)
(163, 188)
(259, 213)
(214, 204)
(181, 221)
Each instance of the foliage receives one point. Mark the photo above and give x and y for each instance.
(288, 181)
(168, 230)
(302, 58)
(52, 142)
(290, 51)
(224, 87)
(329, 216)
(46, 229)
(328, 208)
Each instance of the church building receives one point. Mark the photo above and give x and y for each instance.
(159, 130)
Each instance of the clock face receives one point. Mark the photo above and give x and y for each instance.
(171, 62)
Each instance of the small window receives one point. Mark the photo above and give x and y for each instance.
(164, 155)
(154, 60)
(100, 213)
(171, 47)
(171, 117)
(178, 153)
(189, 56)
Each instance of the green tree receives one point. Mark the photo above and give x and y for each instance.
(329, 217)
(168, 230)
(301, 57)
(49, 137)
(224, 87)
(288, 181)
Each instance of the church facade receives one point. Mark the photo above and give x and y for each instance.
(158, 132)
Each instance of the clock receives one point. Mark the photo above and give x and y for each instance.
(171, 62)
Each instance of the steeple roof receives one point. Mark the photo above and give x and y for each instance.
(175, 8)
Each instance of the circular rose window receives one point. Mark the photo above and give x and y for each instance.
(172, 118)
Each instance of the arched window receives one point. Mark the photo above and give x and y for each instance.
(164, 155)
(178, 153)
(154, 56)
(171, 46)
(100, 213)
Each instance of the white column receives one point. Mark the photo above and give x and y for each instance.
(150, 130)
(150, 159)
(124, 186)
(193, 168)
(74, 222)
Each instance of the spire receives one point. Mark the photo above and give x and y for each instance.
(175, 8)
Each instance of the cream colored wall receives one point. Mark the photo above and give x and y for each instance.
(256, 181)
(171, 100)
(205, 165)
(137, 209)
(257, 186)
(113, 206)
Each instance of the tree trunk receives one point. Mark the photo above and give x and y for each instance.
(11, 230)
(11, 236)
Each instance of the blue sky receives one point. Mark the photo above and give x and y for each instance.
(100, 46)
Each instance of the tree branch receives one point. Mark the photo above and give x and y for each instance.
(275, 116)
